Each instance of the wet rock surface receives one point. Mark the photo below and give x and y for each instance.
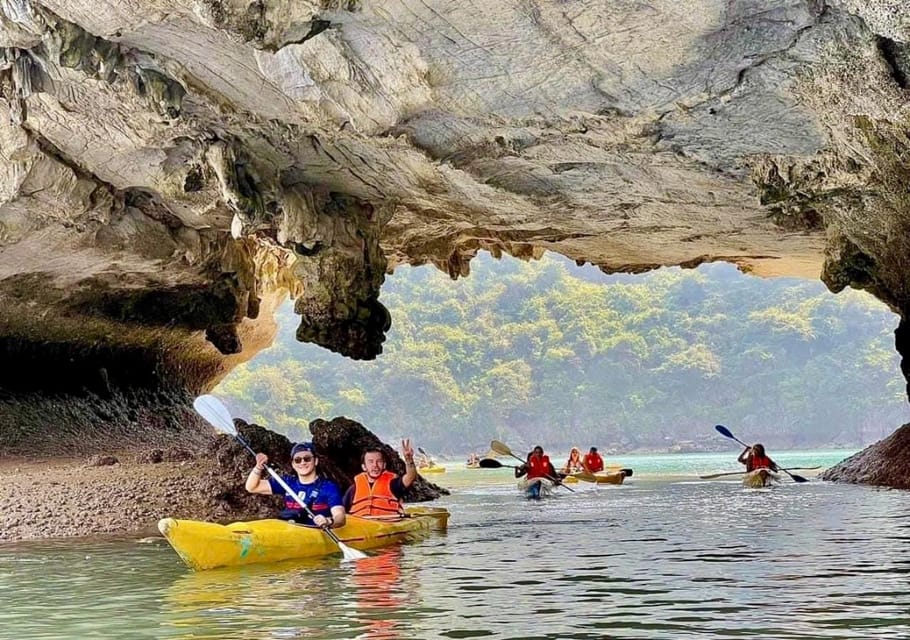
(885, 463)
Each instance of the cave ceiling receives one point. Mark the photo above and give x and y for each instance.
(168, 168)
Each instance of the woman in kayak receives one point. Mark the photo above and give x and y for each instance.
(574, 463)
(321, 495)
(754, 457)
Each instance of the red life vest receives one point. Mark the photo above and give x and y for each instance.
(539, 467)
(594, 462)
(376, 499)
(758, 462)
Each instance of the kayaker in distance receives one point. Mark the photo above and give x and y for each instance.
(538, 465)
(754, 457)
(321, 495)
(377, 492)
(593, 462)
(574, 463)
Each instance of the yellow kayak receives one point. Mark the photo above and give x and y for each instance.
(433, 469)
(604, 477)
(759, 478)
(206, 545)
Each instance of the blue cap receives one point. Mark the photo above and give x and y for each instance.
(303, 446)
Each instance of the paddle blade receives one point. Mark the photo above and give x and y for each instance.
(797, 478)
(501, 448)
(215, 413)
(348, 553)
(490, 463)
(420, 449)
(722, 430)
(626, 472)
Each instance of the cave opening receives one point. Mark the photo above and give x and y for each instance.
(549, 352)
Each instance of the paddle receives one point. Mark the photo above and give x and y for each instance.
(709, 476)
(503, 449)
(490, 463)
(429, 459)
(722, 430)
(217, 415)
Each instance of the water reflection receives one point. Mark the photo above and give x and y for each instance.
(287, 600)
(650, 560)
(380, 598)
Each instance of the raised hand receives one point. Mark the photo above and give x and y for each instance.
(406, 449)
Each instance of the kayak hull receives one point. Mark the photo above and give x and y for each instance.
(758, 478)
(605, 477)
(536, 488)
(207, 545)
(432, 470)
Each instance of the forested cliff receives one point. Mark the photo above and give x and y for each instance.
(550, 352)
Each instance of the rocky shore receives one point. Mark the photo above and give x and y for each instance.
(126, 493)
(60, 497)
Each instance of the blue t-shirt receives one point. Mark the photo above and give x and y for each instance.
(320, 496)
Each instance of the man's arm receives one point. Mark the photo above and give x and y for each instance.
(258, 481)
(410, 469)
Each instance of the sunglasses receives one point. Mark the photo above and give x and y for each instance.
(300, 459)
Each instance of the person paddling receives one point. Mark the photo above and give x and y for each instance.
(538, 465)
(754, 457)
(377, 492)
(593, 462)
(320, 494)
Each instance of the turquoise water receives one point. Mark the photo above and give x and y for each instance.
(675, 465)
(666, 555)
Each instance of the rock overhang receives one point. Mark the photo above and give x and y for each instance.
(169, 168)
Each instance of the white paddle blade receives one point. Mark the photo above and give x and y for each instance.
(351, 554)
(215, 413)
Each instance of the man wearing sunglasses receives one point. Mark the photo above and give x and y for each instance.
(321, 495)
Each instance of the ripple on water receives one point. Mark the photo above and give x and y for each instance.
(647, 560)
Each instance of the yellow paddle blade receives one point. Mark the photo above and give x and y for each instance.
(501, 448)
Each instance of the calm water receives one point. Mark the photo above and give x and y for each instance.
(665, 556)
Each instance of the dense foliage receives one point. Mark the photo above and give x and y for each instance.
(551, 353)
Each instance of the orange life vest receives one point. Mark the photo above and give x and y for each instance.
(758, 462)
(539, 467)
(376, 499)
(594, 462)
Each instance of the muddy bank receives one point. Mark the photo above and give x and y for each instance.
(128, 492)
